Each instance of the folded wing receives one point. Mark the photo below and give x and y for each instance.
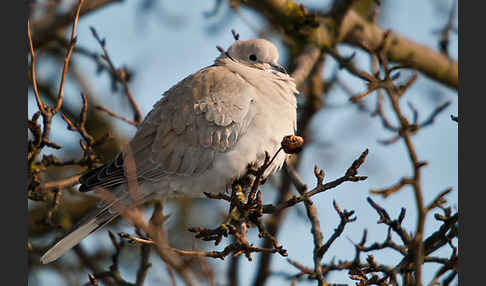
(202, 115)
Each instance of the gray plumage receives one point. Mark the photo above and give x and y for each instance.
(201, 135)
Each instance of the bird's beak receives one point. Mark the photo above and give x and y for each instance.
(279, 68)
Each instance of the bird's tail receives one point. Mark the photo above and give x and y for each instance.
(95, 219)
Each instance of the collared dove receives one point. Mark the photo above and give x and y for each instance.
(200, 136)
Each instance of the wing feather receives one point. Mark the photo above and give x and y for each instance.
(202, 115)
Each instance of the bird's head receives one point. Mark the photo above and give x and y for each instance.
(257, 53)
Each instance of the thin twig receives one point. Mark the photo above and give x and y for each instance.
(121, 76)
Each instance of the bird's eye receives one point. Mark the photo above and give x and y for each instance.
(252, 57)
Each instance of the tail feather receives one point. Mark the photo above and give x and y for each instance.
(96, 219)
(103, 213)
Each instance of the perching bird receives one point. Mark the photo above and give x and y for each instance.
(200, 136)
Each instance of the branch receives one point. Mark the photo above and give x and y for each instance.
(122, 77)
(46, 29)
(304, 26)
(349, 176)
(304, 64)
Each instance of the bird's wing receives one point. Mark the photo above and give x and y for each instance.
(203, 114)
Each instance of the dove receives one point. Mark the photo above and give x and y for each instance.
(199, 137)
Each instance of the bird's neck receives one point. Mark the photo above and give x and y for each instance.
(278, 82)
